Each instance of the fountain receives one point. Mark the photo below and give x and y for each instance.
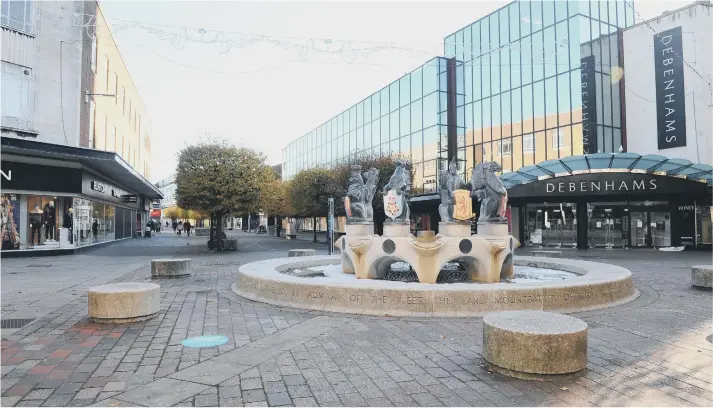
(452, 273)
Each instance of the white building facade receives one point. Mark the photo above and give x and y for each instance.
(669, 90)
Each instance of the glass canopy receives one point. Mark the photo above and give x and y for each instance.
(619, 162)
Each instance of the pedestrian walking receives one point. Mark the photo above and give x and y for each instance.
(187, 227)
(179, 227)
(174, 225)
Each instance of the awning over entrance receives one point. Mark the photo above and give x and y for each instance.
(108, 164)
(610, 162)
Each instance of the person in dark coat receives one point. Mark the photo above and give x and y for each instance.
(187, 226)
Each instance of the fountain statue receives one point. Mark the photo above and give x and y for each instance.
(485, 257)
(449, 182)
(396, 194)
(360, 195)
(490, 191)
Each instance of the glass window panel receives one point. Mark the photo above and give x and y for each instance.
(443, 118)
(630, 15)
(442, 103)
(461, 116)
(430, 110)
(525, 18)
(352, 118)
(367, 136)
(514, 23)
(563, 99)
(493, 41)
(527, 111)
(360, 114)
(551, 102)
(375, 106)
(416, 84)
(505, 108)
(384, 129)
(485, 82)
(477, 78)
(475, 43)
(617, 140)
(538, 59)
(574, 61)
(503, 24)
(367, 110)
(616, 105)
(430, 142)
(593, 8)
(548, 13)
(478, 122)
(612, 12)
(417, 147)
(384, 101)
(416, 116)
(375, 132)
(562, 47)
(550, 53)
(515, 69)
(496, 120)
(539, 104)
(527, 59)
(468, 112)
(450, 46)
(600, 100)
(467, 40)
(541, 147)
(394, 148)
(394, 96)
(606, 99)
(405, 90)
(536, 10)
(442, 81)
(459, 45)
(459, 78)
(505, 69)
(405, 146)
(487, 119)
(405, 121)
(468, 83)
(608, 140)
(394, 125)
(560, 10)
(430, 77)
(495, 72)
(516, 111)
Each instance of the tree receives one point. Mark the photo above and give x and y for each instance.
(171, 213)
(309, 191)
(218, 179)
(275, 198)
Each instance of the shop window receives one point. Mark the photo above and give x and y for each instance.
(10, 221)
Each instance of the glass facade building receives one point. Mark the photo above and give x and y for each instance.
(541, 81)
(408, 118)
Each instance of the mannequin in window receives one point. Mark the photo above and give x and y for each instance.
(36, 224)
(68, 223)
(50, 219)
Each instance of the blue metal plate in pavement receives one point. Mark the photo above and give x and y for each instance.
(204, 341)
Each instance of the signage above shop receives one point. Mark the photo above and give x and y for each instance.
(38, 177)
(690, 207)
(670, 95)
(114, 193)
(96, 186)
(603, 184)
(589, 105)
(129, 198)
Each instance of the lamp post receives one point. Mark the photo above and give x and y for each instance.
(330, 226)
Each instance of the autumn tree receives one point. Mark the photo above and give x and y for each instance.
(218, 179)
(171, 213)
(310, 190)
(275, 198)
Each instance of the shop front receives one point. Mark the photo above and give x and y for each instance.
(660, 203)
(50, 206)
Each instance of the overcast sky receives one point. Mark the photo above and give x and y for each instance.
(261, 74)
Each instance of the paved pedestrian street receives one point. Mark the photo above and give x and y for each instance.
(653, 351)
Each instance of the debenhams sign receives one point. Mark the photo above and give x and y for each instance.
(604, 184)
(598, 186)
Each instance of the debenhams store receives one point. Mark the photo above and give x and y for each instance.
(620, 200)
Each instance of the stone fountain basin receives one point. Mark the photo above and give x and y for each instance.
(599, 285)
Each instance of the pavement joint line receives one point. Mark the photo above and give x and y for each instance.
(212, 372)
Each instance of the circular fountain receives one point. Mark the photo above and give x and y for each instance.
(317, 283)
(453, 273)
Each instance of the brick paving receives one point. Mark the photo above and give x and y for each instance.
(652, 351)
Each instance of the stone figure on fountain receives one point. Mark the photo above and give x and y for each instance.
(449, 181)
(490, 191)
(396, 194)
(360, 195)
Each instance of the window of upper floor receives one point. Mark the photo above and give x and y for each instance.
(17, 15)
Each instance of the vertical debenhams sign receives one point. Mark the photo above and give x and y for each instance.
(670, 96)
(589, 106)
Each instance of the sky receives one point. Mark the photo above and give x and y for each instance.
(262, 74)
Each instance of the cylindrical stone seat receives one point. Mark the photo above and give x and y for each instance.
(124, 302)
(534, 344)
(301, 252)
(702, 276)
(170, 268)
